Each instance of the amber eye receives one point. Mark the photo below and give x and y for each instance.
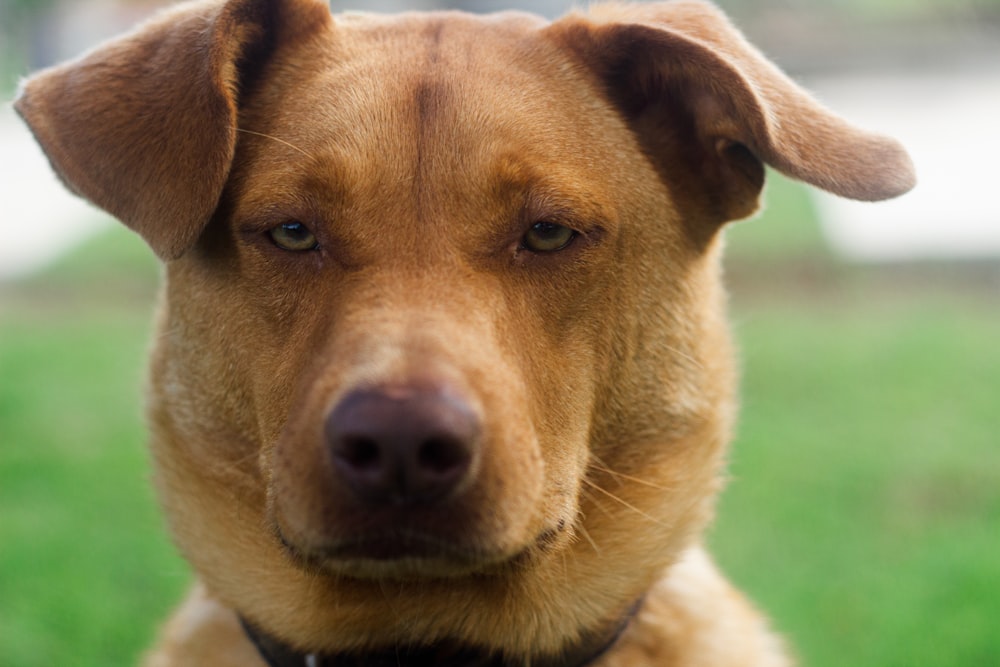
(293, 236)
(548, 237)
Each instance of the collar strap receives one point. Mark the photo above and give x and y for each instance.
(442, 654)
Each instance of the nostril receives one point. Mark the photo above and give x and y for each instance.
(359, 452)
(443, 456)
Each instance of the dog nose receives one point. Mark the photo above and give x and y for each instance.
(403, 446)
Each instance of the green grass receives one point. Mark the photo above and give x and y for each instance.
(863, 514)
(84, 562)
(784, 228)
(865, 504)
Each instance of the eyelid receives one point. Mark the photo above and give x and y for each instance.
(301, 238)
(580, 211)
(525, 244)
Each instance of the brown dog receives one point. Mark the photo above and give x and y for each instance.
(442, 375)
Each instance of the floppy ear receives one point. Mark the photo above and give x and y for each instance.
(145, 125)
(709, 109)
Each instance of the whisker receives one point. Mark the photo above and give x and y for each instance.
(586, 535)
(593, 497)
(280, 141)
(623, 502)
(597, 464)
(681, 354)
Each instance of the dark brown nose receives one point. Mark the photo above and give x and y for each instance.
(403, 446)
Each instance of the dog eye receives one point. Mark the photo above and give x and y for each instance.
(548, 237)
(293, 236)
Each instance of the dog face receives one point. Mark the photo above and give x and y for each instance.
(423, 288)
(442, 338)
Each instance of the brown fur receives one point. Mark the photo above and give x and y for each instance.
(419, 149)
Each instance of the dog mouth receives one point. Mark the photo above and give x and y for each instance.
(407, 553)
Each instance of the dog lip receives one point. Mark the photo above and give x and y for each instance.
(398, 545)
(390, 554)
(413, 554)
(410, 557)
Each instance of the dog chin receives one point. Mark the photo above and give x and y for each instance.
(410, 556)
(402, 569)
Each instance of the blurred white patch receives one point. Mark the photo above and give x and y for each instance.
(950, 124)
(39, 219)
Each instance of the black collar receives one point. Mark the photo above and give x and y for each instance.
(443, 654)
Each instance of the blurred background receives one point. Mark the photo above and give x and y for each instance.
(863, 512)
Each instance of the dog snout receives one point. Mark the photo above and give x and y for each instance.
(403, 445)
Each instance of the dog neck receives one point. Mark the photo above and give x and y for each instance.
(585, 652)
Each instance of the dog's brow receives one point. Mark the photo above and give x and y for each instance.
(280, 141)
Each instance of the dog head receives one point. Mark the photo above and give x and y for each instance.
(441, 352)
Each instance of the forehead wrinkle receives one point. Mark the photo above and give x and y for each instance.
(421, 135)
(430, 99)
